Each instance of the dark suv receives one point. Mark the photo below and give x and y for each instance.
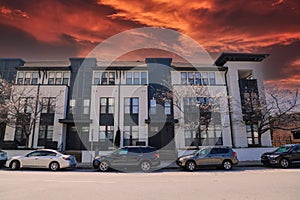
(128, 157)
(223, 157)
(285, 156)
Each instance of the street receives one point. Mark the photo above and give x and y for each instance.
(240, 183)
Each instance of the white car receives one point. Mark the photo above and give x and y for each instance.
(42, 158)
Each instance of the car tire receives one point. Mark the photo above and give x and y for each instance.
(227, 165)
(190, 166)
(284, 163)
(14, 165)
(145, 166)
(103, 166)
(54, 166)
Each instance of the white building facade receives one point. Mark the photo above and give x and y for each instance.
(83, 105)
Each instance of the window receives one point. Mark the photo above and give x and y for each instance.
(104, 78)
(131, 135)
(107, 105)
(212, 78)
(58, 79)
(136, 78)
(20, 134)
(86, 106)
(167, 107)
(152, 106)
(96, 78)
(48, 104)
(106, 137)
(27, 78)
(128, 78)
(198, 78)
(72, 105)
(183, 78)
(252, 134)
(66, 77)
(205, 78)
(210, 137)
(20, 78)
(131, 105)
(143, 78)
(45, 134)
(26, 104)
(34, 80)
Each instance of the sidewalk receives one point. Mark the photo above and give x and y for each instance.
(172, 165)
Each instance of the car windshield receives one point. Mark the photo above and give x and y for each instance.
(202, 151)
(283, 149)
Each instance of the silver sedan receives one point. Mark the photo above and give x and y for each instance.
(42, 158)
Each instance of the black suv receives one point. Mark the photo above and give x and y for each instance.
(128, 157)
(223, 157)
(285, 156)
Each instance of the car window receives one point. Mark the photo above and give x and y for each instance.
(223, 150)
(147, 150)
(134, 150)
(283, 149)
(297, 149)
(123, 151)
(214, 151)
(35, 153)
(48, 153)
(204, 151)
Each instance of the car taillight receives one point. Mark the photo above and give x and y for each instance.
(66, 158)
(234, 154)
(156, 155)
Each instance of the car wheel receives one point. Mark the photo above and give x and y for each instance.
(284, 163)
(14, 165)
(145, 166)
(103, 166)
(54, 166)
(227, 165)
(190, 166)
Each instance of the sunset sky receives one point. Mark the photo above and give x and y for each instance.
(59, 29)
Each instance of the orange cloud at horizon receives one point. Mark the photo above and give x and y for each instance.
(269, 26)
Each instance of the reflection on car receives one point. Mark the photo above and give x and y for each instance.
(223, 157)
(43, 158)
(285, 156)
(128, 157)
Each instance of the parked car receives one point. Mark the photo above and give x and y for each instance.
(3, 158)
(128, 157)
(285, 156)
(218, 157)
(42, 158)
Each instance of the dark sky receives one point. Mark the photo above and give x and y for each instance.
(59, 29)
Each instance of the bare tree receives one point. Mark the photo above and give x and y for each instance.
(275, 112)
(198, 110)
(21, 108)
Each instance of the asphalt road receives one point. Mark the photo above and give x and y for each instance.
(240, 183)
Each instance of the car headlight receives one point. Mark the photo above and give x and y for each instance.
(274, 156)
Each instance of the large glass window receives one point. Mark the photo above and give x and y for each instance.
(136, 78)
(104, 78)
(48, 104)
(107, 105)
(252, 134)
(131, 135)
(106, 137)
(27, 78)
(131, 105)
(198, 78)
(35, 76)
(72, 105)
(210, 137)
(45, 134)
(20, 78)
